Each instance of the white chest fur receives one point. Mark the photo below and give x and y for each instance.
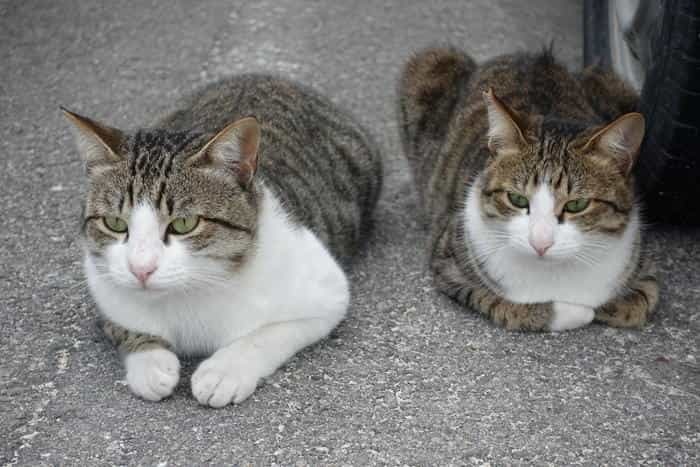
(291, 277)
(577, 269)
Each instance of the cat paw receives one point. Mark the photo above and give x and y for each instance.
(152, 374)
(222, 379)
(569, 316)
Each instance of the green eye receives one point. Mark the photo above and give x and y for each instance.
(115, 224)
(519, 201)
(577, 205)
(184, 225)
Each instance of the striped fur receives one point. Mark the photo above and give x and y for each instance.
(444, 131)
(322, 165)
(307, 198)
(325, 168)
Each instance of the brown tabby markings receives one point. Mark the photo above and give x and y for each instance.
(323, 167)
(128, 341)
(444, 126)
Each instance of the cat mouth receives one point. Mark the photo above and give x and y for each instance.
(547, 258)
(147, 288)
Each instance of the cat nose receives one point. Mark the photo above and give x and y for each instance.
(541, 237)
(541, 247)
(143, 271)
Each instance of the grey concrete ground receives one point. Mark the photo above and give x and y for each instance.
(409, 378)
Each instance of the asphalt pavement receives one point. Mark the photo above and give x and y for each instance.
(409, 378)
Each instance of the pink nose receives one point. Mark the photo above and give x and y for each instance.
(541, 246)
(143, 271)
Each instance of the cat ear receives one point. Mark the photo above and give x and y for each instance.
(620, 140)
(234, 146)
(98, 144)
(505, 134)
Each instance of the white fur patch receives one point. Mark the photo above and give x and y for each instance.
(567, 316)
(152, 374)
(542, 221)
(224, 378)
(289, 295)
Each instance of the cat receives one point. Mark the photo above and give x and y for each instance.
(524, 172)
(223, 230)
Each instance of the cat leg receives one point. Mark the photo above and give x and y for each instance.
(516, 316)
(152, 370)
(233, 372)
(566, 316)
(521, 316)
(467, 290)
(633, 307)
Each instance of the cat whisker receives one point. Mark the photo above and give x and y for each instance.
(586, 259)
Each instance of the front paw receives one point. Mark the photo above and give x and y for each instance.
(224, 378)
(152, 374)
(568, 316)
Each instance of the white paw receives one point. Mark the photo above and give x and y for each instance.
(152, 374)
(224, 378)
(569, 316)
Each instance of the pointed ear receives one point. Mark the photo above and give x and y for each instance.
(620, 140)
(505, 133)
(98, 144)
(235, 146)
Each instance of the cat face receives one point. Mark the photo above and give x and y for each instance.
(556, 191)
(168, 211)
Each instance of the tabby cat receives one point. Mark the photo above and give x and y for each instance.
(524, 172)
(222, 231)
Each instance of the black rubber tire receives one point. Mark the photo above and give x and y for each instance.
(668, 171)
(596, 39)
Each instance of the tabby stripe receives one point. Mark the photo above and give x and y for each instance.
(87, 220)
(285, 108)
(557, 184)
(180, 147)
(467, 299)
(161, 190)
(492, 192)
(228, 225)
(613, 205)
(643, 294)
(143, 159)
(297, 155)
(543, 142)
(163, 158)
(170, 204)
(135, 146)
(344, 184)
(130, 191)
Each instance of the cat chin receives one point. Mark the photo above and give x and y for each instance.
(536, 261)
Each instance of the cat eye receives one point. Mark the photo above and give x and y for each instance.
(115, 224)
(519, 201)
(184, 225)
(577, 205)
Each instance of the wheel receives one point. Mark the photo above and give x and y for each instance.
(655, 46)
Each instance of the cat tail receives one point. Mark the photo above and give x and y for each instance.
(429, 89)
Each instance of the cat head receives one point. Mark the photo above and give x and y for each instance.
(553, 189)
(168, 211)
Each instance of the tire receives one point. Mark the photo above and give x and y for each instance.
(668, 170)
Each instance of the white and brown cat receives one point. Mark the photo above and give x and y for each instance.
(525, 176)
(222, 231)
